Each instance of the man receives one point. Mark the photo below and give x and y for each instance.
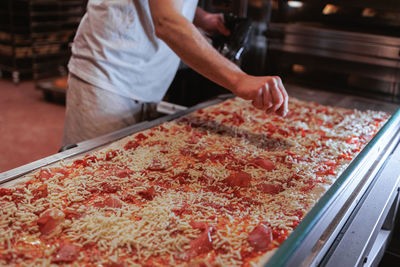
(125, 55)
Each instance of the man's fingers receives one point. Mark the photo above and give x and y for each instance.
(277, 97)
(221, 26)
(266, 97)
(283, 110)
(258, 101)
(271, 97)
(270, 110)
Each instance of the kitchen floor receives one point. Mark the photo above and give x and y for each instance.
(30, 127)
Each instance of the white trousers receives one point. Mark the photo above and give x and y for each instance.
(92, 111)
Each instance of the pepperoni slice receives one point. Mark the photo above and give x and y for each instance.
(67, 252)
(18, 195)
(270, 188)
(116, 264)
(213, 157)
(71, 214)
(131, 145)
(93, 189)
(40, 192)
(110, 155)
(85, 162)
(240, 178)
(164, 150)
(141, 137)
(109, 188)
(6, 192)
(123, 173)
(148, 194)
(203, 243)
(64, 172)
(193, 139)
(179, 211)
(49, 221)
(156, 165)
(44, 174)
(223, 112)
(266, 164)
(111, 202)
(260, 238)
(198, 225)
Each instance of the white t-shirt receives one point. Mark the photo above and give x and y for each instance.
(116, 49)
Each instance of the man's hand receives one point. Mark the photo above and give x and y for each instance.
(266, 92)
(210, 23)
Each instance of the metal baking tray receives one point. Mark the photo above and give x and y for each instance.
(313, 237)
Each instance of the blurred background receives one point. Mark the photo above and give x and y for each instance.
(35, 39)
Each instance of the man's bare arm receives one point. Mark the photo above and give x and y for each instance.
(188, 43)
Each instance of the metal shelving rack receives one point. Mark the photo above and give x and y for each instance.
(35, 36)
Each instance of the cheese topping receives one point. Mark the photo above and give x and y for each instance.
(197, 190)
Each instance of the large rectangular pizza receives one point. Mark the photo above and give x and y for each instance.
(222, 186)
